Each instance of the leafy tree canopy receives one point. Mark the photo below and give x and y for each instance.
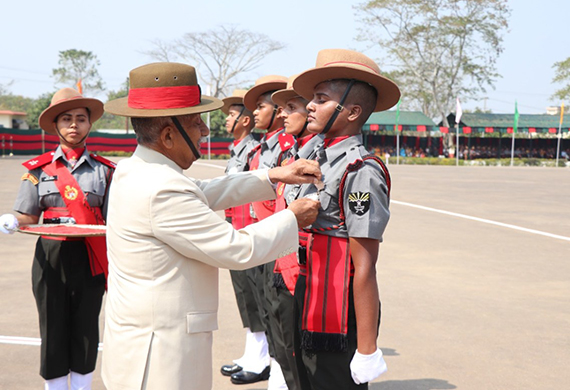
(76, 65)
(436, 49)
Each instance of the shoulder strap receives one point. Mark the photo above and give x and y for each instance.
(40, 161)
(104, 161)
(354, 166)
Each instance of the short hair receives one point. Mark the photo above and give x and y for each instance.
(147, 130)
(266, 97)
(361, 93)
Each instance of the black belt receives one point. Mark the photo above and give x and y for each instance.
(302, 255)
(59, 220)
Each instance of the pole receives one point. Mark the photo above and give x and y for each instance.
(558, 145)
(457, 144)
(513, 149)
(397, 146)
(208, 124)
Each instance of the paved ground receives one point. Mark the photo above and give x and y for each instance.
(466, 304)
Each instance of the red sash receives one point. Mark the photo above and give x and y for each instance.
(287, 266)
(241, 216)
(266, 208)
(325, 313)
(83, 213)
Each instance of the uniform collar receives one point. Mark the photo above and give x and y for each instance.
(339, 149)
(242, 144)
(84, 157)
(153, 157)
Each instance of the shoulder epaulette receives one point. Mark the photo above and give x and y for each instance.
(104, 161)
(286, 141)
(40, 161)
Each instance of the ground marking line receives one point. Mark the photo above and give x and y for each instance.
(506, 225)
(488, 221)
(27, 341)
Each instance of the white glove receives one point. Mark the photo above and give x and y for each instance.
(8, 224)
(365, 368)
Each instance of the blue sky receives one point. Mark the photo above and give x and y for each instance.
(119, 31)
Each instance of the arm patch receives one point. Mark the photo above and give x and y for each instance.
(30, 177)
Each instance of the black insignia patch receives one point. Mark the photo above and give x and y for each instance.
(359, 202)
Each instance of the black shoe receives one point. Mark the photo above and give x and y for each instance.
(245, 377)
(229, 369)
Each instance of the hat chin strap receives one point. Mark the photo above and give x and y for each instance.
(237, 119)
(275, 107)
(339, 107)
(186, 138)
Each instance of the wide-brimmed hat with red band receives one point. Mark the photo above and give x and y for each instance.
(262, 85)
(236, 98)
(68, 99)
(334, 64)
(163, 89)
(282, 96)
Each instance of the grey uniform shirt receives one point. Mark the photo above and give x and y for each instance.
(239, 153)
(90, 174)
(365, 200)
(270, 151)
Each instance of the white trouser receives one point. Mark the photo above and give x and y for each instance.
(276, 378)
(256, 355)
(78, 382)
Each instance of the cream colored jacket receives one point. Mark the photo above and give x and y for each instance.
(165, 245)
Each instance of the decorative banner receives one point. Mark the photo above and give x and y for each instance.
(374, 127)
(467, 130)
(489, 129)
(421, 128)
(444, 130)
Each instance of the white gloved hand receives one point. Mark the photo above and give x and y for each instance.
(8, 224)
(365, 368)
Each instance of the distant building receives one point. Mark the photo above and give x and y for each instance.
(13, 120)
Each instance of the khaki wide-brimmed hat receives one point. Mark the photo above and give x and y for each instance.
(163, 89)
(334, 64)
(282, 96)
(68, 99)
(262, 85)
(236, 98)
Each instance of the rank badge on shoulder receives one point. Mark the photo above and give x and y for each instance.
(359, 202)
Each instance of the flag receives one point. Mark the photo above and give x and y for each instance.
(79, 87)
(561, 113)
(396, 128)
(516, 124)
(458, 111)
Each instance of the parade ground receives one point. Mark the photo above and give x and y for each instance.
(474, 277)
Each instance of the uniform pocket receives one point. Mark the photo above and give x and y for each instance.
(201, 322)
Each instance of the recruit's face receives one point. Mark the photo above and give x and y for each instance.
(73, 125)
(233, 114)
(321, 108)
(294, 115)
(263, 113)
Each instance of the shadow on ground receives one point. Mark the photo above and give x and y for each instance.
(413, 384)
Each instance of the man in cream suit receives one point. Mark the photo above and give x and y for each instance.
(165, 240)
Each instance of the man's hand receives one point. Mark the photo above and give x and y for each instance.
(305, 210)
(300, 172)
(8, 224)
(365, 368)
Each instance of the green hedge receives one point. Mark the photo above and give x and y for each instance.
(527, 162)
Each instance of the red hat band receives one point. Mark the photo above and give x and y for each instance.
(160, 98)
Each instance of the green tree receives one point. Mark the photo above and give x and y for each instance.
(36, 108)
(438, 49)
(78, 65)
(223, 55)
(562, 76)
(110, 121)
(217, 124)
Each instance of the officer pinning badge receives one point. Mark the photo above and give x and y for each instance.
(28, 176)
(359, 202)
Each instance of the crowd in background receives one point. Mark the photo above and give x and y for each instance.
(473, 152)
